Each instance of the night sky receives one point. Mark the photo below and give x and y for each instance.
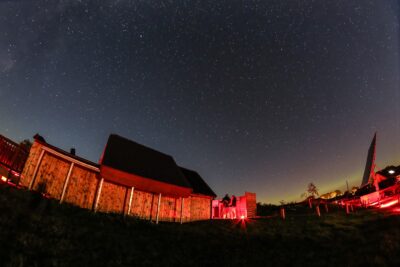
(263, 96)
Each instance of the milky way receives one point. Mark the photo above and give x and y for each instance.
(263, 96)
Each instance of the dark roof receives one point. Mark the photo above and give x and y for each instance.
(38, 138)
(198, 184)
(128, 156)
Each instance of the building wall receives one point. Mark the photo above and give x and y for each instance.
(200, 208)
(83, 186)
(30, 164)
(51, 175)
(112, 198)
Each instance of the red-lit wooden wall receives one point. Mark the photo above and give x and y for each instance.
(62, 176)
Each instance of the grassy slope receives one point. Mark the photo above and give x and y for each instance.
(39, 232)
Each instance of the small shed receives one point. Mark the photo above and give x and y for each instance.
(61, 175)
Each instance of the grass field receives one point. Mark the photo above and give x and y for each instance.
(40, 232)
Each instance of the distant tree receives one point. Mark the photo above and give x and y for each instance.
(282, 202)
(27, 144)
(312, 191)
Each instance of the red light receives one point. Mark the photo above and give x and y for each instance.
(4, 179)
(242, 217)
(389, 204)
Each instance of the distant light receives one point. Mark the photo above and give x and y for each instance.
(391, 171)
(242, 217)
(4, 179)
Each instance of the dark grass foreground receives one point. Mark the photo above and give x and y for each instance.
(40, 232)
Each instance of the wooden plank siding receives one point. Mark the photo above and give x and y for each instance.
(200, 208)
(49, 174)
(30, 164)
(82, 186)
(112, 198)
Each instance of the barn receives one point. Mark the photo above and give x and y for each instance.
(130, 179)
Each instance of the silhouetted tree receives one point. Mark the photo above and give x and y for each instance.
(312, 191)
(26, 144)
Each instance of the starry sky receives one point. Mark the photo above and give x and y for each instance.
(260, 96)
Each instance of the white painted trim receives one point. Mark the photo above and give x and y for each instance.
(158, 207)
(36, 170)
(130, 200)
(77, 162)
(66, 182)
(98, 194)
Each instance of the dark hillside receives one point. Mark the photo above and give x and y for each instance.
(40, 232)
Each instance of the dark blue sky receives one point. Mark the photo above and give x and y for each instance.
(263, 96)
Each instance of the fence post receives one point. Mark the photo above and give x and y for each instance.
(326, 208)
(282, 212)
(347, 208)
(318, 211)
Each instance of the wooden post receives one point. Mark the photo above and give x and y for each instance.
(309, 203)
(347, 208)
(130, 201)
(318, 211)
(326, 208)
(66, 182)
(283, 215)
(182, 205)
(96, 203)
(158, 207)
(36, 170)
(351, 208)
